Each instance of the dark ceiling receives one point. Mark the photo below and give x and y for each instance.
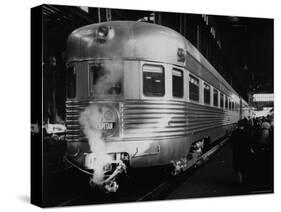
(248, 52)
(247, 43)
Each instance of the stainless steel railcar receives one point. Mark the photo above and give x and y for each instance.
(159, 101)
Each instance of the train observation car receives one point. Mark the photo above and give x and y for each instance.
(141, 95)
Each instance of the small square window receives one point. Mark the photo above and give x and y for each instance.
(153, 80)
(177, 83)
(215, 97)
(207, 94)
(193, 88)
(221, 100)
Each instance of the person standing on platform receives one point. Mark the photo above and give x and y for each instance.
(263, 157)
(265, 135)
(241, 143)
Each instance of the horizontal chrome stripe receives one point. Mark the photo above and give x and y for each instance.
(154, 118)
(159, 118)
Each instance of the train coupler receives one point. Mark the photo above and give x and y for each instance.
(196, 151)
(108, 182)
(179, 166)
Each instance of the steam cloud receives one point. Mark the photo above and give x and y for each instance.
(88, 120)
(108, 80)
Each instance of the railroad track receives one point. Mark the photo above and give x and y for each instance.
(170, 184)
(141, 188)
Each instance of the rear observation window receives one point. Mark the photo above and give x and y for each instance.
(71, 82)
(105, 78)
(153, 80)
(177, 83)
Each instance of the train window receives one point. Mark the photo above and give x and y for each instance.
(153, 80)
(207, 93)
(177, 83)
(193, 88)
(215, 97)
(226, 102)
(229, 104)
(105, 78)
(221, 100)
(232, 106)
(71, 82)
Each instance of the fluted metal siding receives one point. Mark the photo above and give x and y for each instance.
(144, 118)
(154, 119)
(73, 110)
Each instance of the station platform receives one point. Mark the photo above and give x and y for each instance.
(218, 178)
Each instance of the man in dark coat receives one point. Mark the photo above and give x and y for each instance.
(241, 143)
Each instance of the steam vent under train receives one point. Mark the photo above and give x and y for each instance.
(134, 100)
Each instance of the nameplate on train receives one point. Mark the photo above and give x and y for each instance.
(104, 126)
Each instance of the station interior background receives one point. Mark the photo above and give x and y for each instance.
(240, 48)
(60, 21)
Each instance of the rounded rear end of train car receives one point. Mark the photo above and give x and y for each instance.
(121, 110)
